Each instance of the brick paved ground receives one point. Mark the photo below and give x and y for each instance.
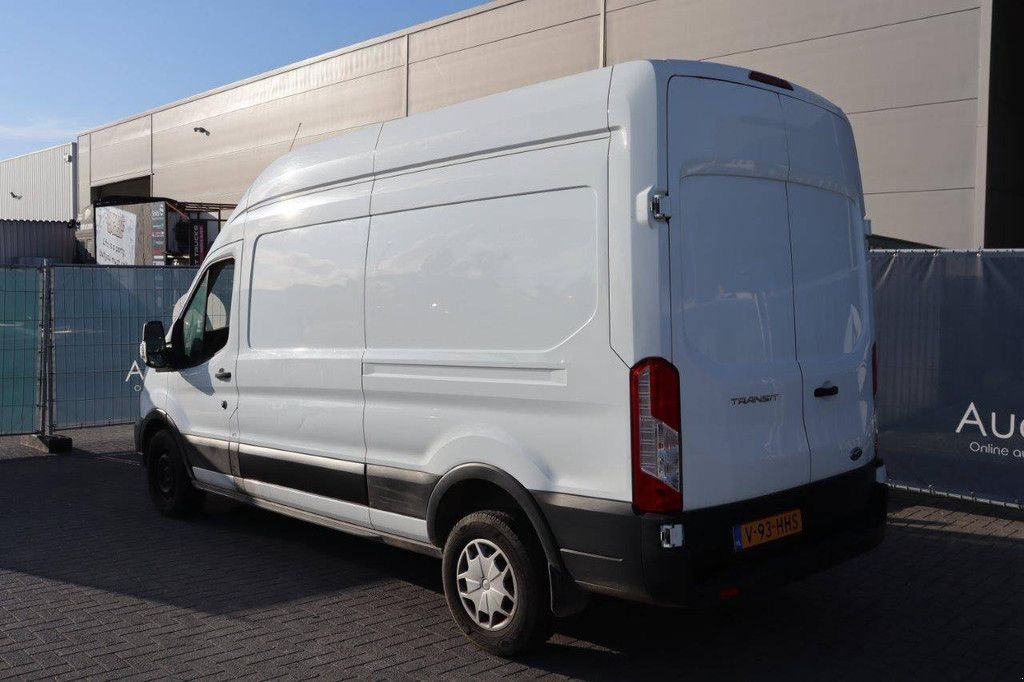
(93, 583)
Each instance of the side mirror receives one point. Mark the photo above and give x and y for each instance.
(153, 348)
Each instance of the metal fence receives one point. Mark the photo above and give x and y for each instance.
(97, 318)
(951, 371)
(69, 340)
(21, 306)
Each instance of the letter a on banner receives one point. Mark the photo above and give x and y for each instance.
(976, 420)
(134, 371)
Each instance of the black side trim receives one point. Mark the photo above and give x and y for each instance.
(400, 491)
(600, 540)
(325, 481)
(214, 456)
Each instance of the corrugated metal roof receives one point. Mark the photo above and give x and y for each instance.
(39, 186)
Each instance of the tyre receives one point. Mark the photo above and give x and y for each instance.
(495, 581)
(169, 484)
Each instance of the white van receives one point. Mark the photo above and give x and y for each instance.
(610, 333)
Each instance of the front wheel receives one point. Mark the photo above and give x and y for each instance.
(495, 582)
(169, 485)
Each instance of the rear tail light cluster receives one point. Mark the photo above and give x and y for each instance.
(657, 461)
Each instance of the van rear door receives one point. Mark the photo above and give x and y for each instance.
(734, 330)
(832, 299)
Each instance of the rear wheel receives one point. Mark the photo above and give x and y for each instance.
(495, 582)
(169, 484)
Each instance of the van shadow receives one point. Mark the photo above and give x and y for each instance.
(88, 521)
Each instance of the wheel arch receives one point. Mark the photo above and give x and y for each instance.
(487, 474)
(566, 597)
(147, 427)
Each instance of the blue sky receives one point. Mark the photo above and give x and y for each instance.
(66, 66)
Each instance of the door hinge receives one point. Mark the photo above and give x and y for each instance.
(661, 206)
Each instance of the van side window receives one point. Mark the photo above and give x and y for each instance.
(205, 322)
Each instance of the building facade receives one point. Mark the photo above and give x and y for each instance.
(38, 206)
(914, 76)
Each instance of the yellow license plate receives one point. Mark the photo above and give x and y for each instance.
(754, 533)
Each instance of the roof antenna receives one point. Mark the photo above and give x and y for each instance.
(297, 128)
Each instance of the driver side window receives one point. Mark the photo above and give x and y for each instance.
(205, 321)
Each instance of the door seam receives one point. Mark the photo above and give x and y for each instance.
(792, 279)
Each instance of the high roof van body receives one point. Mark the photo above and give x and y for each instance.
(610, 333)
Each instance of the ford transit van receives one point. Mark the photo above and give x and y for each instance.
(610, 333)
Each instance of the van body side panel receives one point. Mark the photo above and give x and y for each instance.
(640, 317)
(299, 367)
(544, 113)
(486, 323)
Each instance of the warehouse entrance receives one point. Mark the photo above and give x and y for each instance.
(155, 230)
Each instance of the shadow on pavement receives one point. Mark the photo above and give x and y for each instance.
(934, 595)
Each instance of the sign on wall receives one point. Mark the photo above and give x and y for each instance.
(116, 234)
(158, 215)
(950, 330)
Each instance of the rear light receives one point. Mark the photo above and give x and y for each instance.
(769, 79)
(654, 411)
(728, 593)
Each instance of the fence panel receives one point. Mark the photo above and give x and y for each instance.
(98, 313)
(951, 371)
(21, 291)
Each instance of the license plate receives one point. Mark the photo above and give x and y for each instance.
(754, 533)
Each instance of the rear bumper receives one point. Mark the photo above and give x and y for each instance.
(608, 548)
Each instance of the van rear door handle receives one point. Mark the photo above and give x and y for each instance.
(826, 391)
(225, 375)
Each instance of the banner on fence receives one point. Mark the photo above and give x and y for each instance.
(950, 333)
(20, 336)
(116, 234)
(98, 313)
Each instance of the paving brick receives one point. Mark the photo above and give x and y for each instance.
(96, 585)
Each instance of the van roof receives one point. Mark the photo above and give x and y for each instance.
(571, 107)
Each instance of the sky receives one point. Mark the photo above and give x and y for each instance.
(69, 65)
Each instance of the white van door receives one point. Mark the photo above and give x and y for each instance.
(733, 339)
(832, 299)
(300, 413)
(202, 396)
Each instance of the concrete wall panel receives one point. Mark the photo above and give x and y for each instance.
(937, 218)
(503, 65)
(344, 67)
(916, 149)
(709, 29)
(220, 179)
(498, 24)
(121, 151)
(916, 62)
(333, 108)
